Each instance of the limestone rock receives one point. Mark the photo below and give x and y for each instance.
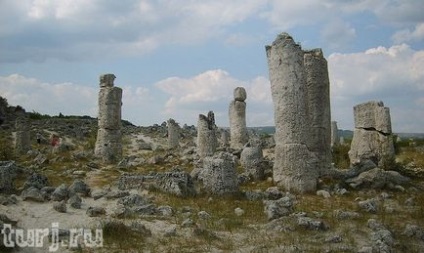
(251, 159)
(372, 137)
(173, 134)
(95, 211)
(176, 183)
(377, 179)
(61, 193)
(311, 224)
(300, 93)
(109, 144)
(75, 201)
(219, 174)
(275, 209)
(60, 206)
(207, 141)
(36, 180)
(369, 205)
(237, 117)
(32, 194)
(8, 172)
(133, 200)
(79, 187)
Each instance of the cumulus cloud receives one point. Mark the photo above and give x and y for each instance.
(407, 35)
(392, 74)
(213, 90)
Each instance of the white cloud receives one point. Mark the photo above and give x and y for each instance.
(406, 35)
(213, 90)
(393, 75)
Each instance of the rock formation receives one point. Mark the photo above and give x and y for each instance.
(109, 140)
(206, 135)
(300, 92)
(335, 139)
(173, 134)
(219, 174)
(22, 135)
(251, 159)
(237, 114)
(224, 138)
(372, 137)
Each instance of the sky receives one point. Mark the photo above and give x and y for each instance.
(178, 59)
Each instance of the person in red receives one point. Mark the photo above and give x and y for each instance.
(54, 140)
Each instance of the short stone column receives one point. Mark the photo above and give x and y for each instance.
(173, 134)
(372, 136)
(237, 116)
(206, 135)
(219, 174)
(251, 159)
(109, 138)
(22, 138)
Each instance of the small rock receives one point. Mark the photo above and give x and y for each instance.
(171, 231)
(187, 223)
(60, 206)
(323, 193)
(95, 211)
(410, 202)
(32, 194)
(311, 224)
(369, 205)
(414, 231)
(238, 211)
(204, 215)
(275, 209)
(165, 211)
(334, 239)
(79, 187)
(61, 193)
(75, 202)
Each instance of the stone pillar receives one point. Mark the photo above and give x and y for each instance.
(109, 140)
(173, 134)
(251, 159)
(22, 135)
(335, 139)
(219, 174)
(319, 113)
(300, 93)
(237, 114)
(225, 137)
(372, 137)
(206, 135)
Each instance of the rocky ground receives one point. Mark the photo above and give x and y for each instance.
(152, 200)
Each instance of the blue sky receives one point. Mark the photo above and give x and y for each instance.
(176, 59)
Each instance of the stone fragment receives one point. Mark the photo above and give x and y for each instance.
(369, 205)
(79, 187)
(237, 116)
(377, 179)
(8, 173)
(109, 140)
(176, 183)
(275, 209)
(311, 224)
(206, 135)
(75, 201)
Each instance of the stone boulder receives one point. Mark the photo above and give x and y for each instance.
(275, 209)
(251, 159)
(219, 174)
(377, 179)
(8, 173)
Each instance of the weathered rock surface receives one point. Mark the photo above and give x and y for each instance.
(372, 137)
(237, 116)
(60, 206)
(176, 183)
(335, 139)
(60, 193)
(219, 174)
(300, 92)
(275, 209)
(377, 179)
(251, 158)
(22, 134)
(32, 194)
(95, 211)
(80, 188)
(207, 141)
(173, 134)
(8, 173)
(109, 144)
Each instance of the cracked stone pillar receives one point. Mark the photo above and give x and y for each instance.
(109, 139)
(251, 158)
(206, 135)
(319, 113)
(173, 134)
(237, 114)
(300, 93)
(335, 139)
(22, 135)
(372, 137)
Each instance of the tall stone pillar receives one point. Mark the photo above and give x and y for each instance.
(319, 113)
(207, 141)
(237, 114)
(173, 134)
(109, 140)
(372, 137)
(22, 134)
(300, 93)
